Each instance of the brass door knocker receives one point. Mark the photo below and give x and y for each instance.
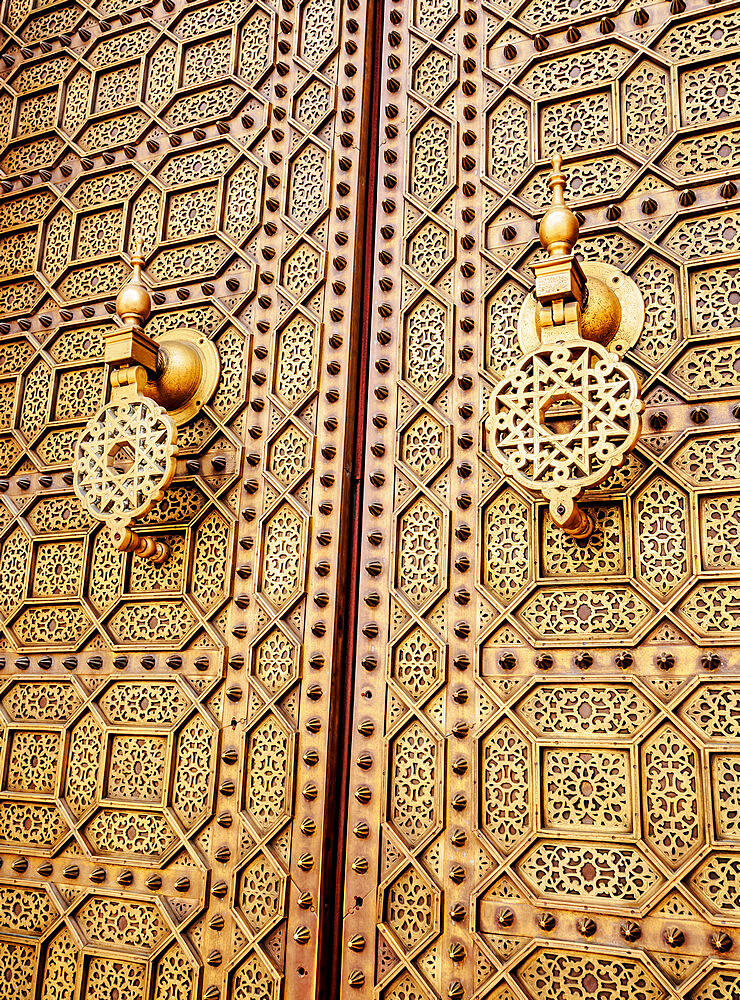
(125, 457)
(570, 411)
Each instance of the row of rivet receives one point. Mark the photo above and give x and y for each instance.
(377, 491)
(670, 202)
(630, 930)
(658, 13)
(468, 283)
(584, 660)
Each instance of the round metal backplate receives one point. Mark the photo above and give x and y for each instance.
(626, 291)
(210, 371)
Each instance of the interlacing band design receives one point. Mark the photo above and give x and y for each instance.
(562, 451)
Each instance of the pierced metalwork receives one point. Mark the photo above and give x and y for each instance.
(569, 412)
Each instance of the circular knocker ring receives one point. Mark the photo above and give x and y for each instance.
(562, 419)
(124, 461)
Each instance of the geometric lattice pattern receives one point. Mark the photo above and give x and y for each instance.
(558, 715)
(165, 740)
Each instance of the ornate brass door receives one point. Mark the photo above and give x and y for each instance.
(167, 730)
(543, 771)
(544, 765)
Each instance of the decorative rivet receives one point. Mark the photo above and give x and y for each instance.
(630, 931)
(674, 937)
(546, 921)
(666, 661)
(721, 941)
(586, 926)
(457, 952)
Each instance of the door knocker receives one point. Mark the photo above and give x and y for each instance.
(125, 457)
(570, 411)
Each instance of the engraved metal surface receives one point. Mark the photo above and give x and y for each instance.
(544, 730)
(165, 729)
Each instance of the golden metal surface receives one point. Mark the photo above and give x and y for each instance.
(166, 730)
(615, 325)
(568, 414)
(544, 729)
(186, 374)
(545, 741)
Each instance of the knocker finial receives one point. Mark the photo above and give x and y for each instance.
(134, 303)
(559, 227)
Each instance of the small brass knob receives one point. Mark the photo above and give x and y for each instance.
(133, 302)
(559, 227)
